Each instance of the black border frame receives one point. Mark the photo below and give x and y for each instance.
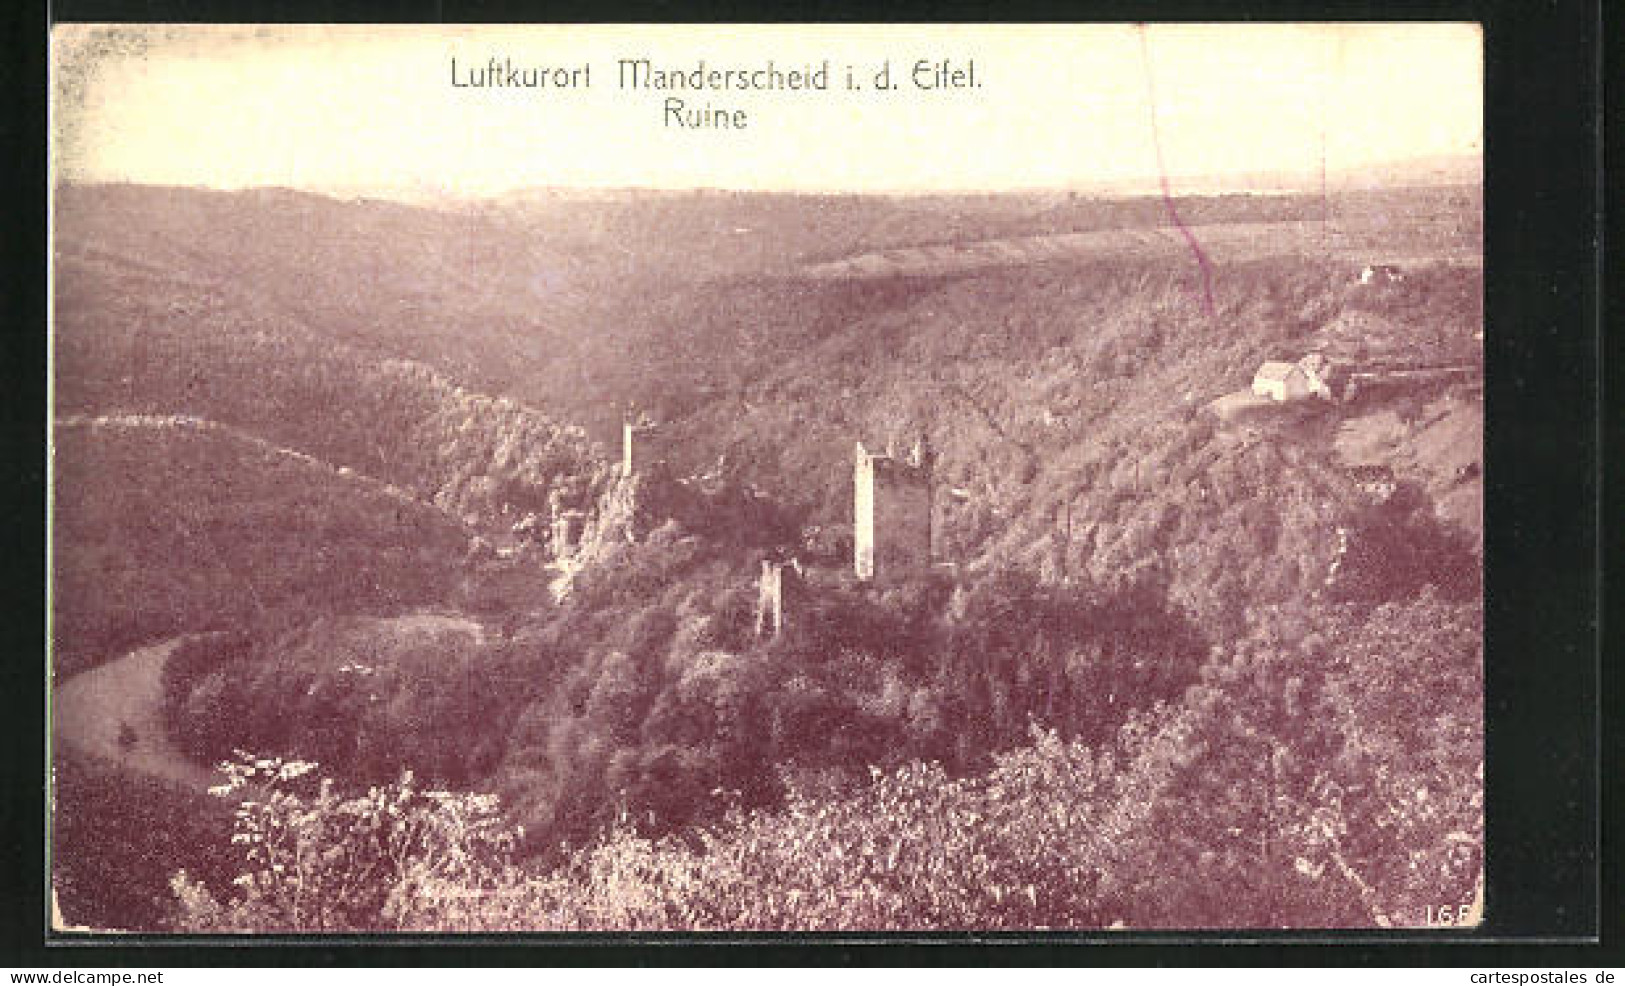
(1544, 550)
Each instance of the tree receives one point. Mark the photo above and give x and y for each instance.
(317, 860)
(1326, 771)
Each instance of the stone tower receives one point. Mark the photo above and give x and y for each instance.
(891, 512)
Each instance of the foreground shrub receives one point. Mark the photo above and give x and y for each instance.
(912, 849)
(318, 861)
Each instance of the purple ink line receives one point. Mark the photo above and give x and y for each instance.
(1162, 175)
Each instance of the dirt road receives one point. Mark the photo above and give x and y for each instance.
(90, 710)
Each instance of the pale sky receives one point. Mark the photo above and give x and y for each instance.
(373, 107)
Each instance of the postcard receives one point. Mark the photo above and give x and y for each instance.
(716, 478)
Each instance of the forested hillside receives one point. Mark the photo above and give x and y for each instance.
(129, 339)
(164, 526)
(501, 294)
(1150, 666)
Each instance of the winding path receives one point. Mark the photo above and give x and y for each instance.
(89, 710)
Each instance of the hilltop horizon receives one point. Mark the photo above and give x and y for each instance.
(1435, 170)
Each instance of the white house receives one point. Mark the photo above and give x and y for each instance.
(1281, 381)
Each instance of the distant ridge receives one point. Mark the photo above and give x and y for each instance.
(1432, 170)
(1436, 170)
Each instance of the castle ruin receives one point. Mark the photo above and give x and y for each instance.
(891, 512)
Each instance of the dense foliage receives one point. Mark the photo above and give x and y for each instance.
(1335, 782)
(1332, 782)
(116, 839)
(372, 696)
(321, 861)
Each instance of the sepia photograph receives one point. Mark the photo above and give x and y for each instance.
(725, 478)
